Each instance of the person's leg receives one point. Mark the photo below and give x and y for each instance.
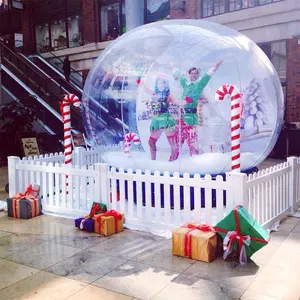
(173, 142)
(192, 140)
(154, 136)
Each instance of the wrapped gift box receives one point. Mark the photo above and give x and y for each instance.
(24, 206)
(108, 223)
(195, 241)
(85, 223)
(98, 208)
(241, 232)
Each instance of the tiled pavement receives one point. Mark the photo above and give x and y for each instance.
(47, 258)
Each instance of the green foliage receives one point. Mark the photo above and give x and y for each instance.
(15, 117)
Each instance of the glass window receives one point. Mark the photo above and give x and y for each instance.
(216, 7)
(213, 7)
(3, 5)
(42, 38)
(110, 21)
(276, 52)
(157, 10)
(278, 58)
(58, 35)
(74, 31)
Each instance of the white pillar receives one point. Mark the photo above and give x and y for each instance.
(134, 13)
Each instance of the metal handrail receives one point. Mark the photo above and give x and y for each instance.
(72, 70)
(15, 55)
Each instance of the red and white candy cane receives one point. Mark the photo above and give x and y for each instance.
(129, 138)
(66, 114)
(236, 111)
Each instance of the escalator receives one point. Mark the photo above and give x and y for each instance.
(46, 88)
(47, 116)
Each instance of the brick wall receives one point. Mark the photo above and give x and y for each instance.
(28, 29)
(293, 81)
(90, 21)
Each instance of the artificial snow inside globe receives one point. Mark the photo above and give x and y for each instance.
(150, 100)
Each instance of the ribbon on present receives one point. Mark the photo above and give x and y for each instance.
(30, 190)
(111, 213)
(83, 220)
(94, 210)
(236, 235)
(29, 200)
(187, 239)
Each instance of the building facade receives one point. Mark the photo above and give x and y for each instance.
(272, 24)
(83, 28)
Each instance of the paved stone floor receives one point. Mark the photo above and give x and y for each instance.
(47, 258)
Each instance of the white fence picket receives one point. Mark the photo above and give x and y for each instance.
(113, 193)
(57, 186)
(157, 197)
(139, 194)
(122, 194)
(219, 200)
(51, 186)
(176, 199)
(44, 185)
(77, 191)
(208, 201)
(187, 198)
(167, 199)
(83, 190)
(148, 196)
(130, 193)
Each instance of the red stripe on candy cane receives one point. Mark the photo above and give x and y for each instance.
(236, 105)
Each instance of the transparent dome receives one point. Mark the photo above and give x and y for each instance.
(149, 100)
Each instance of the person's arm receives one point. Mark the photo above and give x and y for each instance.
(207, 76)
(177, 75)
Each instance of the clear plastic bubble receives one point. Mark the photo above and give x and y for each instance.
(156, 86)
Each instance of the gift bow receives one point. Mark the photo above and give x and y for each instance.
(30, 190)
(187, 240)
(242, 240)
(111, 213)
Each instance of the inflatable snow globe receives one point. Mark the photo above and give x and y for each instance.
(150, 99)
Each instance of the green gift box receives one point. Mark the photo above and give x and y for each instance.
(97, 208)
(242, 232)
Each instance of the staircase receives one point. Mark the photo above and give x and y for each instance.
(23, 78)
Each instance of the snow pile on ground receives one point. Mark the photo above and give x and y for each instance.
(207, 163)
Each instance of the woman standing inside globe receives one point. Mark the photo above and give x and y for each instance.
(161, 120)
(192, 90)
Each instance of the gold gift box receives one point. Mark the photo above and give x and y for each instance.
(105, 225)
(203, 243)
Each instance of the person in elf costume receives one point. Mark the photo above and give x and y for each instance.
(192, 90)
(161, 120)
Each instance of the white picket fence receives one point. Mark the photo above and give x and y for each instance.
(268, 194)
